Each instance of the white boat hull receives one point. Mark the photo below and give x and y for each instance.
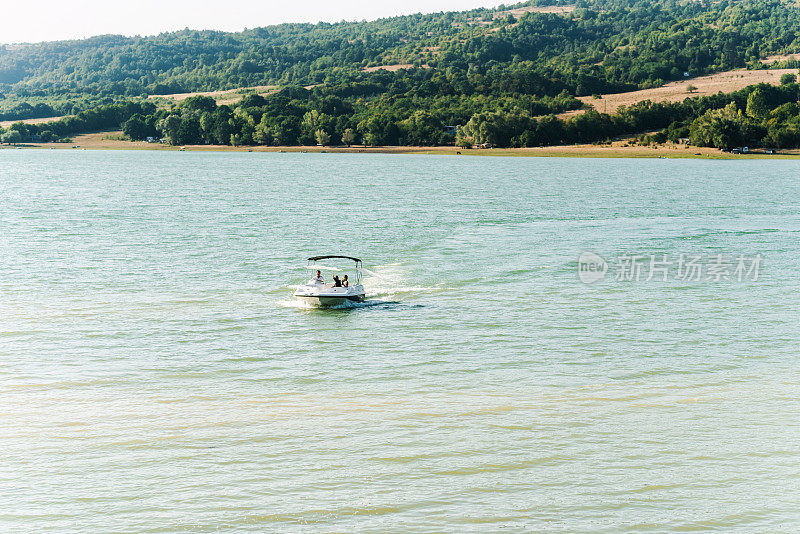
(322, 296)
(330, 302)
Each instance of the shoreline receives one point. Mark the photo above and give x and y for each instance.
(617, 149)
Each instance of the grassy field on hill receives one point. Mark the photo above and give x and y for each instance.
(720, 82)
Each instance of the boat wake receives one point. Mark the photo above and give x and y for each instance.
(347, 305)
(399, 291)
(388, 281)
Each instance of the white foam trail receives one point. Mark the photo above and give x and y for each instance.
(347, 305)
(396, 290)
(294, 303)
(373, 273)
(390, 281)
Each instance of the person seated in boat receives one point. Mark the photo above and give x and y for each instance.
(318, 278)
(345, 283)
(336, 281)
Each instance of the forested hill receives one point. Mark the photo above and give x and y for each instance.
(600, 46)
(514, 63)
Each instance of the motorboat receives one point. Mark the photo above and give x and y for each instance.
(319, 293)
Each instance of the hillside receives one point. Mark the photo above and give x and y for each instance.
(596, 46)
(407, 80)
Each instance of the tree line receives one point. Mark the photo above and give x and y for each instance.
(759, 115)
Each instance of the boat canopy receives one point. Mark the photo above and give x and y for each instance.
(317, 258)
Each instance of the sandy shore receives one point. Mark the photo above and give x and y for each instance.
(618, 149)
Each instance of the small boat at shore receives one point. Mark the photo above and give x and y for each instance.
(316, 292)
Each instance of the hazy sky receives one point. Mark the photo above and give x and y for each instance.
(49, 20)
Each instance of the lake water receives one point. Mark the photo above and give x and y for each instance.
(156, 375)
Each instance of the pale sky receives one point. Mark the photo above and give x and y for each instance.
(51, 20)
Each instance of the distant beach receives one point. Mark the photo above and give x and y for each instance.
(617, 149)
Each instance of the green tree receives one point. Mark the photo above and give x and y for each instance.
(199, 103)
(783, 137)
(309, 126)
(421, 129)
(137, 128)
(263, 134)
(379, 129)
(207, 125)
(190, 132)
(11, 137)
(169, 127)
(221, 127)
(757, 106)
(463, 140)
(322, 137)
(497, 129)
(349, 137)
(788, 78)
(722, 128)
